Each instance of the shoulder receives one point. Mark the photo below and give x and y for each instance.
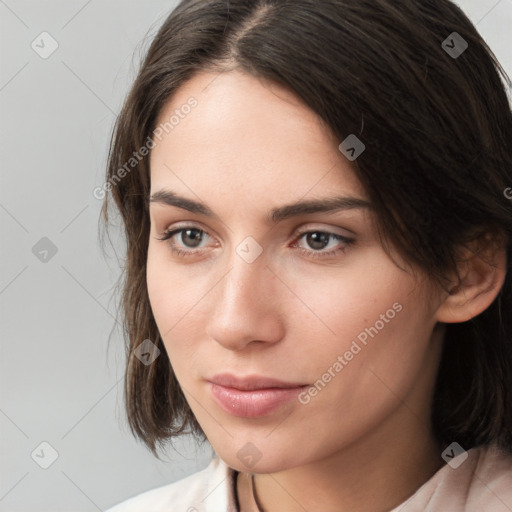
(491, 482)
(479, 480)
(211, 489)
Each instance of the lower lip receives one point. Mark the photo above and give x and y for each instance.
(252, 404)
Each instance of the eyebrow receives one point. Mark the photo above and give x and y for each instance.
(328, 204)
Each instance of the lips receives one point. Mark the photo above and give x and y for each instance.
(253, 396)
(252, 382)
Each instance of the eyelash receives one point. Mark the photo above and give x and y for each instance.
(167, 235)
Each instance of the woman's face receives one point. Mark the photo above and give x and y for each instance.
(307, 297)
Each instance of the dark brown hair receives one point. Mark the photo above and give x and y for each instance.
(437, 162)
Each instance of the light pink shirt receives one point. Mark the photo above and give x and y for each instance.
(482, 483)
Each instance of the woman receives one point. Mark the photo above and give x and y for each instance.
(317, 282)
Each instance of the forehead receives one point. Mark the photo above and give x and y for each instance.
(252, 137)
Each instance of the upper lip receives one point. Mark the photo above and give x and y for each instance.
(251, 382)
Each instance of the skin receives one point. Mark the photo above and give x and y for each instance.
(364, 442)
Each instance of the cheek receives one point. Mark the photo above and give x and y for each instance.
(172, 295)
(337, 305)
(173, 288)
(372, 326)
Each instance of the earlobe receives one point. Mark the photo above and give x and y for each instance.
(482, 277)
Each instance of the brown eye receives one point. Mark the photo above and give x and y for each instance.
(194, 235)
(185, 241)
(317, 239)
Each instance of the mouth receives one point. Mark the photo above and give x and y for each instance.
(254, 396)
(253, 382)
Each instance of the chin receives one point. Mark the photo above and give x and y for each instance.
(260, 464)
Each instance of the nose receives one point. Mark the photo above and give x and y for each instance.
(247, 307)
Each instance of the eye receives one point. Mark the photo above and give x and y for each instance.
(319, 240)
(191, 237)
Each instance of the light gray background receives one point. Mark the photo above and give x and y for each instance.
(60, 383)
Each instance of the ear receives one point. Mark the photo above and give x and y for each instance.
(482, 272)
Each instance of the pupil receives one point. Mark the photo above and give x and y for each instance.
(318, 240)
